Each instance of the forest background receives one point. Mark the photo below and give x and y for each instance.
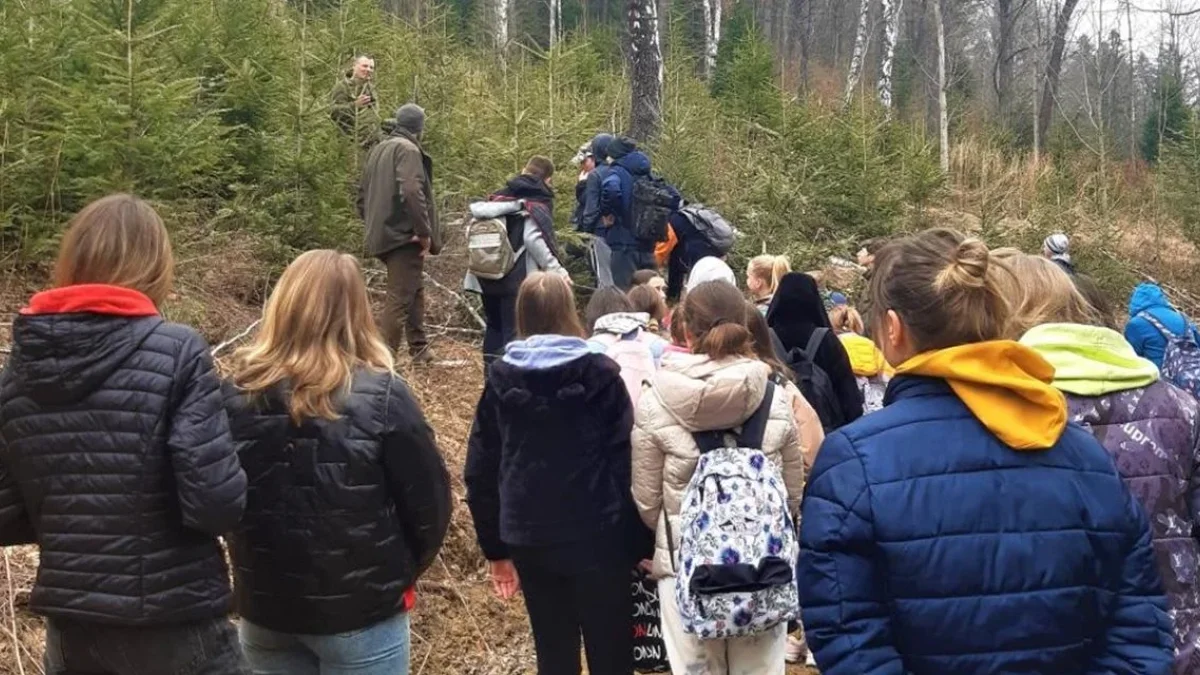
(811, 124)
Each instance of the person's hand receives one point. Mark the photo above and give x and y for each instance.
(646, 566)
(505, 581)
(608, 221)
(363, 100)
(425, 243)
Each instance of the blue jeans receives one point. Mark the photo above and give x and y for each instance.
(381, 649)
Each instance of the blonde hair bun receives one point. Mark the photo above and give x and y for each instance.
(968, 267)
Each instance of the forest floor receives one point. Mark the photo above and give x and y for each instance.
(459, 627)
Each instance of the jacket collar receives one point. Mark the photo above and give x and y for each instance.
(91, 299)
(914, 386)
(400, 132)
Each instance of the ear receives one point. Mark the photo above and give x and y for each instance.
(894, 331)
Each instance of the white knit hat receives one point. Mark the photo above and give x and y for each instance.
(710, 269)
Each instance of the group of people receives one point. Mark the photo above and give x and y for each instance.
(1004, 482)
(980, 475)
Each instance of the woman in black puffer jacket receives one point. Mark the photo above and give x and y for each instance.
(115, 457)
(349, 499)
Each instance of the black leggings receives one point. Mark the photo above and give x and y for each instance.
(500, 312)
(596, 604)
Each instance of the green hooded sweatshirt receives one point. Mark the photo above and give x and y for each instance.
(1090, 360)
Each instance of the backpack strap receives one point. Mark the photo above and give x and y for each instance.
(1149, 318)
(753, 429)
(814, 343)
(781, 352)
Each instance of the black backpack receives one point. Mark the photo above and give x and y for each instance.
(654, 200)
(812, 380)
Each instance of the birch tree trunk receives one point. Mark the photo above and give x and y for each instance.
(943, 113)
(710, 43)
(891, 28)
(1058, 46)
(500, 29)
(860, 50)
(646, 70)
(555, 21)
(716, 30)
(1133, 149)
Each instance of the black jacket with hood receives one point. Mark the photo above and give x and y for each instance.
(549, 457)
(796, 311)
(343, 515)
(116, 458)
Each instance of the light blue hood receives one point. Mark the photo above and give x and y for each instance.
(542, 352)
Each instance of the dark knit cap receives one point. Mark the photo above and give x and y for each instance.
(600, 146)
(411, 118)
(621, 146)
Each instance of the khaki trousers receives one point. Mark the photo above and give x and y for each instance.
(404, 308)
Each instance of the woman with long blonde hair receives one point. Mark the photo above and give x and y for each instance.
(349, 500)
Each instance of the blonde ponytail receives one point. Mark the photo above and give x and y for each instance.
(769, 269)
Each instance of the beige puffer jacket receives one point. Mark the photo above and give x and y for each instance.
(695, 393)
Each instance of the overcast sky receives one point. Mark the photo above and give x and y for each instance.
(1147, 23)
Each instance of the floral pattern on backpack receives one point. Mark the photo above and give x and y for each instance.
(737, 545)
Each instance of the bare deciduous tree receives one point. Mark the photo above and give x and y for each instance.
(500, 27)
(943, 113)
(1058, 47)
(860, 50)
(712, 34)
(887, 51)
(1008, 15)
(646, 70)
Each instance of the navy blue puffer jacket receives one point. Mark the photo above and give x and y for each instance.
(116, 458)
(929, 547)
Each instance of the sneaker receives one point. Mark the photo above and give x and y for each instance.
(796, 650)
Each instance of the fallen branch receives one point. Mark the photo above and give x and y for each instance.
(482, 639)
(12, 611)
(461, 300)
(1180, 296)
(425, 660)
(249, 329)
(453, 329)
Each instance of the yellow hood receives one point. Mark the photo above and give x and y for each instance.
(865, 358)
(1005, 385)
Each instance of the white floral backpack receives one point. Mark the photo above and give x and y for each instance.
(737, 546)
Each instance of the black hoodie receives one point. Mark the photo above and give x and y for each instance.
(797, 310)
(115, 455)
